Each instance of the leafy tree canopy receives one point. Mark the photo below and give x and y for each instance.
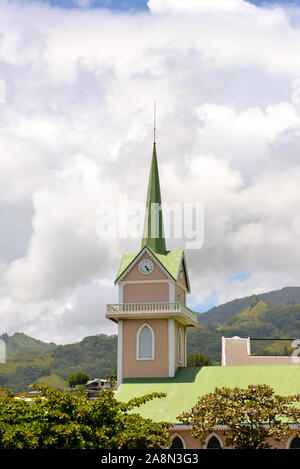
(198, 359)
(57, 420)
(251, 416)
(78, 378)
(111, 378)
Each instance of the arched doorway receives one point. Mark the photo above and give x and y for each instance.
(177, 442)
(295, 443)
(213, 443)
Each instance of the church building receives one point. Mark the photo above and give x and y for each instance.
(152, 319)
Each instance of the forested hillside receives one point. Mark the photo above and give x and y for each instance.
(220, 314)
(96, 355)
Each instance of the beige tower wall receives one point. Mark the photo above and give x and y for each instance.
(146, 292)
(181, 292)
(157, 368)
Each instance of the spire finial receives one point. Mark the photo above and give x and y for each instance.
(154, 141)
(153, 233)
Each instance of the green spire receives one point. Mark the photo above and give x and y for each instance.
(153, 235)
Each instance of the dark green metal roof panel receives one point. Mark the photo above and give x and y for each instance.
(153, 234)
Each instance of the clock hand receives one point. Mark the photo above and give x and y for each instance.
(147, 268)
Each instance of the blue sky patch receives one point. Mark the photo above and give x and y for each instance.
(136, 5)
(121, 5)
(205, 305)
(239, 277)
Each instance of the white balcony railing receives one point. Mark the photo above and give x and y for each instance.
(152, 307)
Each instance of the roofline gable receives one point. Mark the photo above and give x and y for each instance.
(134, 261)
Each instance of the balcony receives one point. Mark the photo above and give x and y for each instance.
(151, 310)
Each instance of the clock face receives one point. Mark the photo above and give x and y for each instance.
(146, 267)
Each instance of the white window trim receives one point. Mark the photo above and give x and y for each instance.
(179, 333)
(209, 438)
(137, 342)
(180, 437)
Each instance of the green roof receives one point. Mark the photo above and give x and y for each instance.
(153, 234)
(171, 261)
(189, 383)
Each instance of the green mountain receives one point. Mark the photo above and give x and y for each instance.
(220, 314)
(259, 320)
(20, 342)
(96, 355)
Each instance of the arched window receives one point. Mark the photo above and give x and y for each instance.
(179, 345)
(213, 443)
(295, 443)
(145, 343)
(177, 442)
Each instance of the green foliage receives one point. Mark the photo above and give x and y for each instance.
(78, 377)
(251, 416)
(111, 379)
(198, 359)
(70, 421)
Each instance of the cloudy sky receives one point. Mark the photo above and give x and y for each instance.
(77, 87)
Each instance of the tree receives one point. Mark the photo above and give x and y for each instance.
(111, 379)
(251, 416)
(57, 420)
(78, 378)
(198, 359)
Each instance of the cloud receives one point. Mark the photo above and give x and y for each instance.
(76, 131)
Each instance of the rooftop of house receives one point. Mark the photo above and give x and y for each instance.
(189, 383)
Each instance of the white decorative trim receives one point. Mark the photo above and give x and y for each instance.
(120, 353)
(181, 427)
(179, 342)
(137, 342)
(223, 351)
(211, 435)
(121, 291)
(171, 292)
(131, 282)
(248, 346)
(177, 435)
(136, 260)
(171, 337)
(183, 287)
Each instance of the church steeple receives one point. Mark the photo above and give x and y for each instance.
(153, 234)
